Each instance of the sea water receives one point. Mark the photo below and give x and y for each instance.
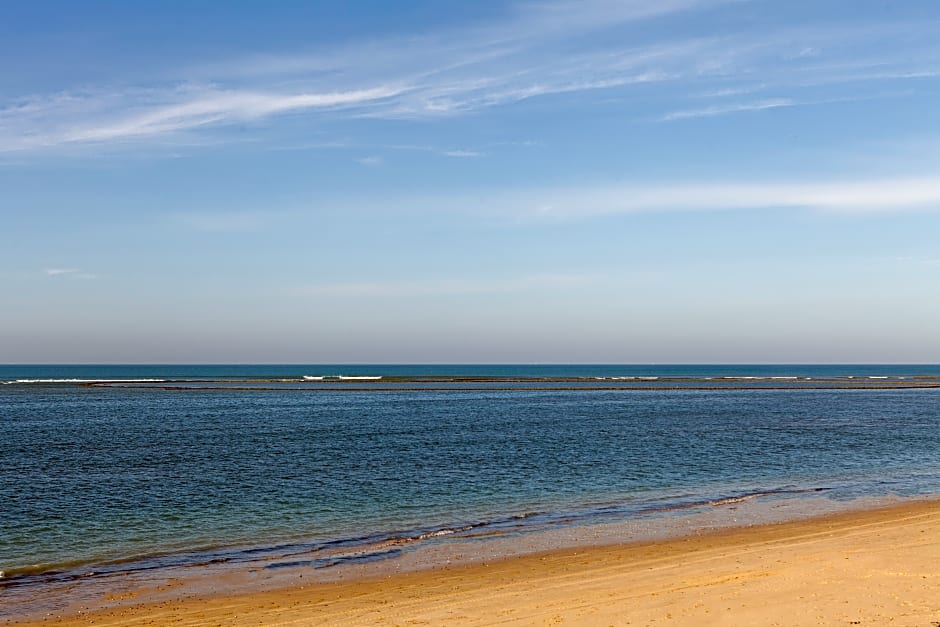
(146, 475)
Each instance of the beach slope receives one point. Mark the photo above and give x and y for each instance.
(876, 567)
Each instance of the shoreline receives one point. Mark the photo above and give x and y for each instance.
(236, 568)
(865, 565)
(536, 522)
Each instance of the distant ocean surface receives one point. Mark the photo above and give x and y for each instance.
(113, 479)
(8, 373)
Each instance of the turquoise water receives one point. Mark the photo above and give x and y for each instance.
(112, 479)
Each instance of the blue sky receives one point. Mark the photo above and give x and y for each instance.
(537, 181)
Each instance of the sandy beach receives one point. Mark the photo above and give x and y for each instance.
(874, 567)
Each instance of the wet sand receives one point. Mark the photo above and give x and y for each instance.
(860, 568)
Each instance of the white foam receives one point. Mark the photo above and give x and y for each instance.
(339, 377)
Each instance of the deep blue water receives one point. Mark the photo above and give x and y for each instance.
(92, 475)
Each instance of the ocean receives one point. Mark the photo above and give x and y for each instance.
(107, 471)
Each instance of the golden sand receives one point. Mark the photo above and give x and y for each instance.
(879, 567)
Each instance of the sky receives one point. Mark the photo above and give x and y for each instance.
(535, 181)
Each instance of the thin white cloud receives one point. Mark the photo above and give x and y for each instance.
(463, 153)
(105, 117)
(449, 286)
(72, 273)
(724, 92)
(444, 152)
(724, 109)
(848, 197)
(375, 159)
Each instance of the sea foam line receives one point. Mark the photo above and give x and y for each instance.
(340, 377)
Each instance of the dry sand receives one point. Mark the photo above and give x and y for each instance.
(879, 567)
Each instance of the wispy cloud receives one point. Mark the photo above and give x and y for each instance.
(136, 114)
(724, 92)
(376, 159)
(724, 109)
(450, 286)
(214, 106)
(463, 153)
(444, 152)
(848, 197)
(371, 161)
(761, 105)
(72, 273)
(536, 49)
(431, 75)
(919, 260)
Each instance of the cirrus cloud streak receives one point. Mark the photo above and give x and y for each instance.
(534, 50)
(848, 197)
